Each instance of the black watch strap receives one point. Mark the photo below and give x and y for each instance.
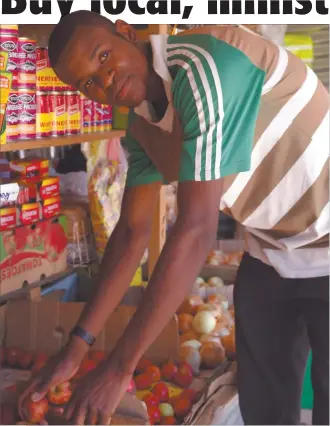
(84, 335)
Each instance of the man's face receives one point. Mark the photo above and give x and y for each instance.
(106, 67)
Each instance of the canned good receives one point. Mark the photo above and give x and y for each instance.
(10, 29)
(43, 119)
(27, 63)
(12, 113)
(98, 123)
(107, 117)
(73, 108)
(58, 113)
(86, 111)
(42, 58)
(9, 43)
(27, 114)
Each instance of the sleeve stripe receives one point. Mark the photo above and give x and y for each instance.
(201, 115)
(215, 74)
(211, 110)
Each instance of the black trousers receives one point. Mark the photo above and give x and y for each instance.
(277, 322)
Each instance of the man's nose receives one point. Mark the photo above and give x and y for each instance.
(106, 75)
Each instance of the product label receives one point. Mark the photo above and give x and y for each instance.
(49, 188)
(30, 213)
(7, 218)
(51, 207)
(46, 78)
(3, 61)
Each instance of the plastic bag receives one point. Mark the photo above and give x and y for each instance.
(106, 176)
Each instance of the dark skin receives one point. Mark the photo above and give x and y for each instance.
(108, 78)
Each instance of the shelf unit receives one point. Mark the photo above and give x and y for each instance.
(60, 141)
(41, 34)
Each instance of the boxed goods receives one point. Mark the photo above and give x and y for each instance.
(8, 219)
(30, 169)
(163, 389)
(28, 213)
(8, 193)
(50, 207)
(30, 252)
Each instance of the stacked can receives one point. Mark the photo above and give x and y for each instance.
(9, 44)
(44, 119)
(107, 117)
(73, 112)
(86, 114)
(98, 122)
(27, 97)
(59, 113)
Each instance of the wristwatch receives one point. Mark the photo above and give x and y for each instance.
(84, 335)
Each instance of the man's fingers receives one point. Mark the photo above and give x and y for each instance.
(92, 417)
(69, 410)
(25, 394)
(80, 416)
(42, 389)
(104, 419)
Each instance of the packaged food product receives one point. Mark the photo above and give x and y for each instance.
(28, 213)
(106, 168)
(27, 113)
(8, 218)
(12, 116)
(73, 111)
(43, 119)
(5, 87)
(50, 207)
(8, 193)
(9, 44)
(26, 63)
(30, 168)
(3, 60)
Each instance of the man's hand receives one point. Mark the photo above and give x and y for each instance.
(98, 395)
(60, 368)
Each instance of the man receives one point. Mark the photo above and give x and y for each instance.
(242, 125)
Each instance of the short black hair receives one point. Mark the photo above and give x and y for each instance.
(65, 29)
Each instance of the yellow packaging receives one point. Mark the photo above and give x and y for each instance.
(137, 279)
(48, 80)
(5, 86)
(3, 60)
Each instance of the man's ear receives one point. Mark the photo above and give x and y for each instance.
(126, 30)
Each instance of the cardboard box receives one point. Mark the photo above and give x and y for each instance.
(44, 326)
(29, 253)
(30, 169)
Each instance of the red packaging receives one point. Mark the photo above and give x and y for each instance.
(58, 111)
(73, 108)
(51, 207)
(9, 43)
(86, 108)
(27, 194)
(42, 58)
(29, 213)
(27, 76)
(43, 119)
(107, 117)
(30, 169)
(27, 114)
(12, 112)
(49, 188)
(98, 122)
(8, 218)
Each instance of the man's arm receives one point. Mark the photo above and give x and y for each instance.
(180, 262)
(122, 255)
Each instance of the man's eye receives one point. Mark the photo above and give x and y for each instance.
(88, 84)
(103, 57)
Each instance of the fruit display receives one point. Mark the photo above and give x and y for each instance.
(171, 397)
(206, 327)
(218, 257)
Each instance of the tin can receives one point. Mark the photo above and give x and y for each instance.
(98, 117)
(42, 58)
(43, 121)
(27, 63)
(58, 113)
(9, 43)
(73, 102)
(27, 114)
(107, 117)
(86, 114)
(10, 29)
(12, 113)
